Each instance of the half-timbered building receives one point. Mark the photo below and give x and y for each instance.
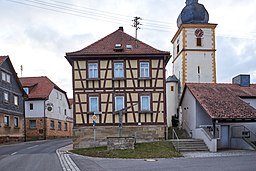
(118, 73)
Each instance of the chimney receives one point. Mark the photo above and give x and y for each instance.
(243, 80)
(121, 28)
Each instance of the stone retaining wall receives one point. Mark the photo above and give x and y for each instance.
(86, 137)
(120, 143)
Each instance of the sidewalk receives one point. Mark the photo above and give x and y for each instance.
(222, 153)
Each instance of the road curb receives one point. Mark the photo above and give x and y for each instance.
(66, 162)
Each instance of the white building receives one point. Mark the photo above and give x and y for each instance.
(47, 109)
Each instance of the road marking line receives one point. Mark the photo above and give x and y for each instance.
(14, 153)
(32, 147)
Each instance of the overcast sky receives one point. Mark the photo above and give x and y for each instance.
(38, 33)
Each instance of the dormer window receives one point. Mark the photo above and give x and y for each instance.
(26, 89)
(118, 47)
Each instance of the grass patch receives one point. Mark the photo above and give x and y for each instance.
(163, 149)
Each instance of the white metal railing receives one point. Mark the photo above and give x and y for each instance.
(175, 137)
(209, 131)
(186, 127)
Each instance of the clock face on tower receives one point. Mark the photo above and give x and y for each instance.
(199, 33)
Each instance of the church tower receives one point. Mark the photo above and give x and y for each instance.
(194, 46)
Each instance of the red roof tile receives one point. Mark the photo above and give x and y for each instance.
(39, 87)
(223, 101)
(2, 59)
(106, 45)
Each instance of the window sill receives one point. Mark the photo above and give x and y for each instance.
(146, 112)
(118, 79)
(145, 78)
(93, 79)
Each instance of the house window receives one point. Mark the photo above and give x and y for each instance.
(59, 125)
(94, 104)
(198, 41)
(119, 70)
(198, 69)
(31, 106)
(93, 70)
(145, 103)
(65, 111)
(119, 102)
(60, 96)
(26, 89)
(6, 77)
(57, 95)
(65, 126)
(32, 124)
(6, 120)
(144, 69)
(16, 122)
(6, 97)
(16, 100)
(52, 124)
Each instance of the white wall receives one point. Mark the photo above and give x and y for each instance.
(60, 103)
(251, 101)
(38, 108)
(171, 101)
(189, 112)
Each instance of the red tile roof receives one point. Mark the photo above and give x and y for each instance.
(106, 45)
(39, 87)
(223, 101)
(2, 59)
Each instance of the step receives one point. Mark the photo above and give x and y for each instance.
(189, 145)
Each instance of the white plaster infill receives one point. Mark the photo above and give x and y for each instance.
(66, 162)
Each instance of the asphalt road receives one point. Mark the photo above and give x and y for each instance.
(227, 163)
(32, 156)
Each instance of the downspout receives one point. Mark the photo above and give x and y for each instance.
(44, 122)
(25, 127)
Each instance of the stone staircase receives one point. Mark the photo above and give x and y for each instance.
(189, 145)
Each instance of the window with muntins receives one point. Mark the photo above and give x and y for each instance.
(6, 77)
(93, 70)
(145, 103)
(144, 69)
(119, 70)
(94, 104)
(119, 102)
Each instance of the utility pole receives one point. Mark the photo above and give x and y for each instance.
(136, 24)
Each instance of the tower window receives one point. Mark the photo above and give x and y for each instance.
(178, 48)
(199, 41)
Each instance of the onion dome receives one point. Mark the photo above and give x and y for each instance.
(193, 13)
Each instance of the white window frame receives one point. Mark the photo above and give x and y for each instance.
(16, 122)
(90, 103)
(119, 70)
(144, 70)
(141, 103)
(116, 103)
(93, 70)
(6, 77)
(6, 97)
(6, 120)
(16, 100)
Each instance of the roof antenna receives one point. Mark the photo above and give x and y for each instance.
(21, 69)
(136, 24)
